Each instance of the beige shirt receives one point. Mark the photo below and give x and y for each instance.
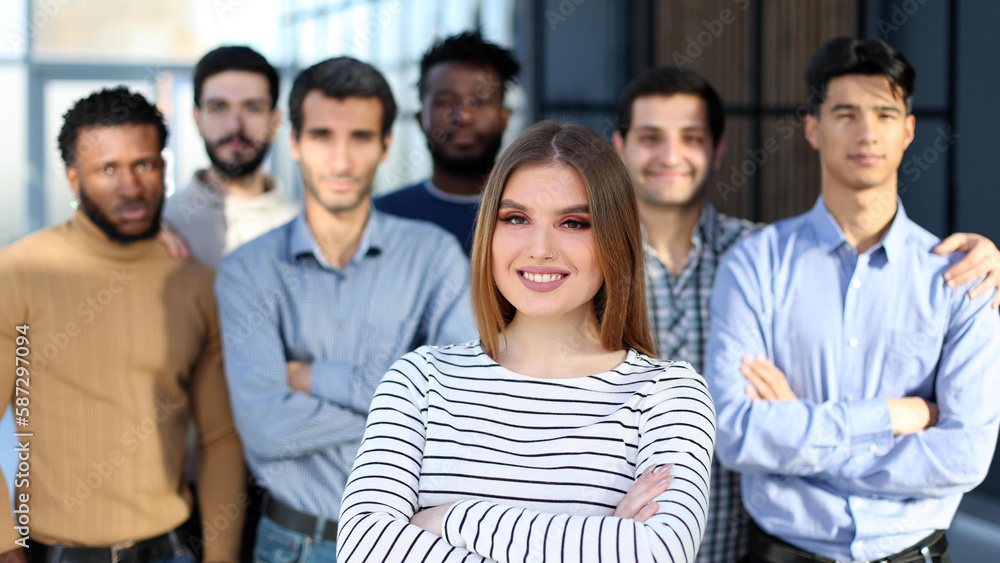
(214, 224)
(123, 348)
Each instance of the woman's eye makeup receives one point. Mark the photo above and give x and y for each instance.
(570, 223)
(575, 223)
(513, 218)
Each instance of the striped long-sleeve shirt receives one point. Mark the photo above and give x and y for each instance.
(535, 467)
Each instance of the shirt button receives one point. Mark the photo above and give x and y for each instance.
(856, 283)
(873, 448)
(852, 342)
(341, 325)
(850, 398)
(858, 503)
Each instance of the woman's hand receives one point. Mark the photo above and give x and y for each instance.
(640, 503)
(431, 519)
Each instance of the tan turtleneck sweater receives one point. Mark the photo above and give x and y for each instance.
(123, 345)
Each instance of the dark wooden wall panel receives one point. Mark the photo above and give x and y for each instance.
(792, 31)
(730, 190)
(726, 58)
(685, 35)
(769, 171)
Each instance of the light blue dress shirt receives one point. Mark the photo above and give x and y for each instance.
(824, 472)
(280, 300)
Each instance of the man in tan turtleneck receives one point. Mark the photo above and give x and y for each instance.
(116, 347)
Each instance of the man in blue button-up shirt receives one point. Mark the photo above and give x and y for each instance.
(864, 451)
(671, 137)
(315, 312)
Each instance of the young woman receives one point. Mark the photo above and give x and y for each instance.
(546, 439)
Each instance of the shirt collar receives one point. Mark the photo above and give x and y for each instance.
(453, 198)
(895, 237)
(828, 232)
(830, 236)
(91, 237)
(301, 241)
(706, 224)
(213, 195)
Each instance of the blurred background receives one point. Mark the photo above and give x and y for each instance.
(576, 56)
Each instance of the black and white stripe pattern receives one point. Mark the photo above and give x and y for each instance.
(535, 466)
(679, 315)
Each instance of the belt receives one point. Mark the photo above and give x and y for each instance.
(170, 543)
(301, 522)
(766, 547)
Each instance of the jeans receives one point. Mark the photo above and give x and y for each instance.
(276, 544)
(185, 556)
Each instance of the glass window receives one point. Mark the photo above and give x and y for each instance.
(392, 36)
(152, 30)
(14, 154)
(15, 30)
(153, 46)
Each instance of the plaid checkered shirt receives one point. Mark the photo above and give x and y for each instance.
(679, 315)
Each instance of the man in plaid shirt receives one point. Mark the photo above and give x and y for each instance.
(670, 124)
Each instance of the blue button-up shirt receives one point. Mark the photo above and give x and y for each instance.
(824, 472)
(280, 300)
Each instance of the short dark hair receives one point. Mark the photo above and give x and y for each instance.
(108, 108)
(871, 57)
(669, 81)
(340, 78)
(469, 47)
(234, 58)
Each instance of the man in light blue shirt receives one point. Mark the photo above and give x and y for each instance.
(864, 422)
(314, 312)
(671, 137)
